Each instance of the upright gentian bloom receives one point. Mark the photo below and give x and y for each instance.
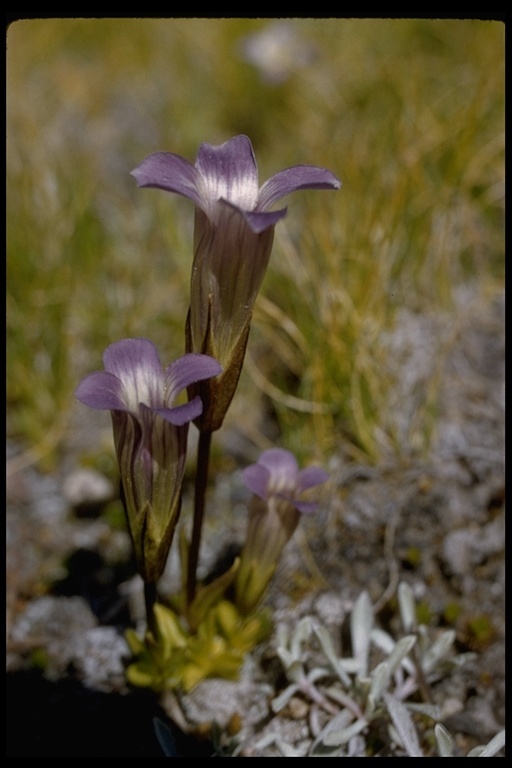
(233, 234)
(278, 500)
(150, 437)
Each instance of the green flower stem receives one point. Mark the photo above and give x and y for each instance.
(203, 460)
(150, 600)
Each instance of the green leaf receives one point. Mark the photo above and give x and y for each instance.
(141, 674)
(208, 595)
(170, 633)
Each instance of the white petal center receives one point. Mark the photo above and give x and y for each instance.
(238, 190)
(143, 386)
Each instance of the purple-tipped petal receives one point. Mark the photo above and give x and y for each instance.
(293, 179)
(165, 170)
(282, 466)
(259, 221)
(102, 391)
(229, 172)
(256, 479)
(128, 355)
(306, 507)
(310, 477)
(181, 414)
(187, 370)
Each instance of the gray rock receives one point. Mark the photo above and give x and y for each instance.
(86, 488)
(98, 658)
(55, 624)
(218, 700)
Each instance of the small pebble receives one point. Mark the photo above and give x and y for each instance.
(87, 489)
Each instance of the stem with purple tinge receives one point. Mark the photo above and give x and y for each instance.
(150, 600)
(203, 460)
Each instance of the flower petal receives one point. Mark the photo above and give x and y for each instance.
(282, 466)
(310, 477)
(293, 179)
(181, 414)
(306, 507)
(136, 364)
(187, 370)
(256, 479)
(165, 170)
(102, 391)
(229, 172)
(259, 221)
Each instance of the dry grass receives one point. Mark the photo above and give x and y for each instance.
(408, 113)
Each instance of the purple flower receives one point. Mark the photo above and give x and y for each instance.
(274, 512)
(150, 437)
(233, 235)
(276, 477)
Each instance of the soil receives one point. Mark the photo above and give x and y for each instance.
(436, 523)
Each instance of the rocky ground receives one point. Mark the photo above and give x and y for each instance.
(438, 524)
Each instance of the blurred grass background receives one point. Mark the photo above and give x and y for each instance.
(408, 113)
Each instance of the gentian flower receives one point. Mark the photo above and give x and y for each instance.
(278, 500)
(150, 437)
(233, 235)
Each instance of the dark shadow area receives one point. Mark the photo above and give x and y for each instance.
(65, 719)
(90, 577)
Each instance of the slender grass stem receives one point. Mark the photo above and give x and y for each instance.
(203, 460)
(422, 681)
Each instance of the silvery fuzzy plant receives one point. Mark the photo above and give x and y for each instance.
(371, 688)
(203, 629)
